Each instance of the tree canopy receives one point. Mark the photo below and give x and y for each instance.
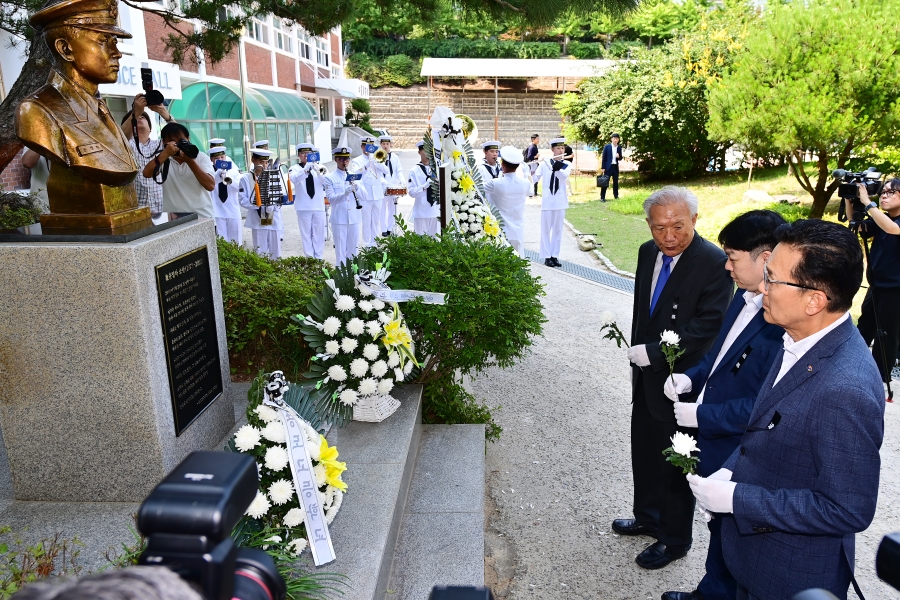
(819, 76)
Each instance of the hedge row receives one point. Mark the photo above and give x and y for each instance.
(599, 50)
(457, 48)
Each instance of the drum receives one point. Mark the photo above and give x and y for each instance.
(395, 192)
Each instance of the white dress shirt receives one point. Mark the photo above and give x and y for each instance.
(657, 267)
(794, 351)
(753, 304)
(615, 154)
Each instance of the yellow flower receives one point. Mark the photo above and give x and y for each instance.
(720, 36)
(668, 80)
(466, 183)
(703, 25)
(681, 84)
(457, 155)
(491, 226)
(333, 468)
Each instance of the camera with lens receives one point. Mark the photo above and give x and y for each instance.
(187, 148)
(849, 190)
(154, 97)
(188, 518)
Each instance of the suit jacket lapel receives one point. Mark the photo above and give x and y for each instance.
(731, 315)
(682, 269)
(740, 343)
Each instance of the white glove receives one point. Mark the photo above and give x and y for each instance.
(308, 168)
(714, 495)
(677, 384)
(721, 475)
(686, 414)
(638, 355)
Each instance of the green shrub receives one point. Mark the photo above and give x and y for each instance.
(18, 210)
(587, 50)
(398, 69)
(492, 313)
(790, 212)
(623, 49)
(456, 48)
(260, 296)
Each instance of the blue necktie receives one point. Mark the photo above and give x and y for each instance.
(661, 281)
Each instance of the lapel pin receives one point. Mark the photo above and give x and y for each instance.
(809, 368)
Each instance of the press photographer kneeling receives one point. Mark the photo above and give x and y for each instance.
(187, 179)
(880, 318)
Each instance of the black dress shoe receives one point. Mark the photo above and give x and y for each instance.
(695, 595)
(548, 262)
(632, 527)
(658, 555)
(556, 262)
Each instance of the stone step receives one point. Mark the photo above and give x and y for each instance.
(441, 538)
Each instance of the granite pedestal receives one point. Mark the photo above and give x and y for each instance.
(85, 404)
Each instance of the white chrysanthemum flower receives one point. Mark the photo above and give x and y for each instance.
(377, 304)
(407, 368)
(398, 375)
(332, 347)
(344, 303)
(385, 386)
(293, 518)
(321, 475)
(266, 413)
(393, 359)
(348, 345)
(246, 438)
(373, 327)
(385, 317)
(370, 351)
(607, 318)
(275, 539)
(348, 397)
(335, 506)
(368, 386)
(259, 507)
(297, 546)
(684, 444)
(364, 290)
(337, 372)
(670, 338)
(365, 305)
(355, 326)
(359, 367)
(331, 326)
(379, 368)
(281, 491)
(274, 432)
(276, 458)
(312, 448)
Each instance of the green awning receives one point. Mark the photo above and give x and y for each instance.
(225, 103)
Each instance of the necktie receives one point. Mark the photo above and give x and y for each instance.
(496, 171)
(310, 186)
(390, 166)
(223, 191)
(661, 281)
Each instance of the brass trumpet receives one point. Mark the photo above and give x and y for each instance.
(323, 170)
(380, 155)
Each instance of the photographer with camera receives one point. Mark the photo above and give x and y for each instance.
(186, 179)
(880, 318)
(144, 149)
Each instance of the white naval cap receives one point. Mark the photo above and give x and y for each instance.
(217, 150)
(261, 143)
(491, 145)
(304, 146)
(315, 149)
(385, 138)
(511, 154)
(262, 153)
(216, 142)
(420, 144)
(367, 139)
(560, 141)
(341, 152)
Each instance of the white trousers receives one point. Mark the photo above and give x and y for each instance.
(428, 226)
(389, 213)
(267, 242)
(230, 229)
(518, 247)
(346, 240)
(371, 221)
(312, 232)
(551, 232)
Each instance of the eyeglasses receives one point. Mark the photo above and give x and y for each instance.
(888, 192)
(767, 281)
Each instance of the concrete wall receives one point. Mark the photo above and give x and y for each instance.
(405, 111)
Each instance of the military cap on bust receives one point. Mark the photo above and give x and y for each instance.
(96, 15)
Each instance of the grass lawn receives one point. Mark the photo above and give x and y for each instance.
(620, 225)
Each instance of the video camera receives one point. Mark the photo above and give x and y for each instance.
(848, 190)
(188, 519)
(154, 97)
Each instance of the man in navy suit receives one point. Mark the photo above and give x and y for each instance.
(804, 479)
(612, 156)
(717, 395)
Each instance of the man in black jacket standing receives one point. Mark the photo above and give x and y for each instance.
(612, 156)
(531, 157)
(681, 285)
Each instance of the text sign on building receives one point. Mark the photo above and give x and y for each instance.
(166, 78)
(189, 335)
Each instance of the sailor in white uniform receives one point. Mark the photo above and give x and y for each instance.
(426, 209)
(554, 201)
(266, 238)
(489, 167)
(346, 206)
(226, 206)
(508, 193)
(394, 179)
(373, 177)
(308, 187)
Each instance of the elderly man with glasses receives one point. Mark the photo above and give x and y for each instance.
(804, 479)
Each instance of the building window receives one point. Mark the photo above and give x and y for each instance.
(324, 111)
(283, 41)
(322, 52)
(303, 44)
(336, 72)
(259, 31)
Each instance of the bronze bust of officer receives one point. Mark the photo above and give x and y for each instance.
(91, 166)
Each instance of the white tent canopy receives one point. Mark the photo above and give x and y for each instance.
(513, 67)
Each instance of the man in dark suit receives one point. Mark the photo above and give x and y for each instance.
(531, 157)
(681, 285)
(717, 395)
(805, 477)
(612, 156)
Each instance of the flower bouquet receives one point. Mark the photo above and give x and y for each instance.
(363, 346)
(277, 507)
(679, 453)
